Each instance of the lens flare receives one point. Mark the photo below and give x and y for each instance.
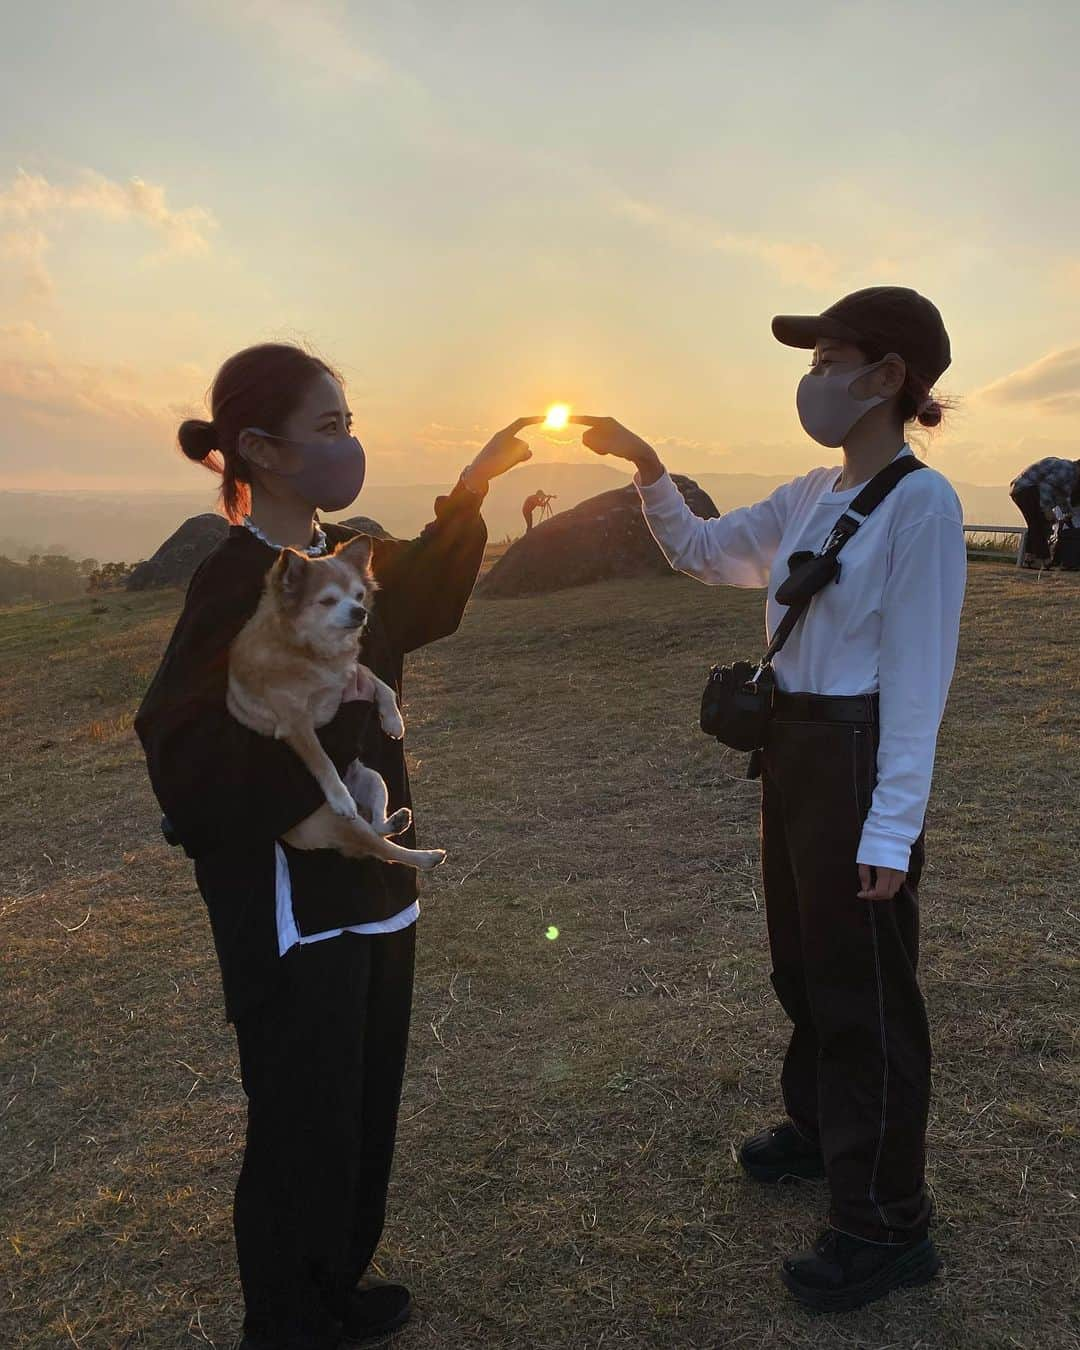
(552, 933)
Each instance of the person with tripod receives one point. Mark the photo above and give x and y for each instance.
(536, 501)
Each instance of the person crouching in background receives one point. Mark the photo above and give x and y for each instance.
(1045, 491)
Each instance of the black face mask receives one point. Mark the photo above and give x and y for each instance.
(331, 473)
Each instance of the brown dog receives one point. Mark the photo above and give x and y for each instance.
(288, 669)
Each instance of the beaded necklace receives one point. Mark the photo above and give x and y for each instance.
(315, 550)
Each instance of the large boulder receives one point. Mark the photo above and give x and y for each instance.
(180, 554)
(600, 538)
(366, 526)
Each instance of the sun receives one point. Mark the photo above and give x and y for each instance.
(557, 416)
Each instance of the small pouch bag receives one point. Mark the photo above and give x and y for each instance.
(737, 704)
(808, 574)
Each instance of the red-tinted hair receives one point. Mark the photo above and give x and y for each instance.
(258, 387)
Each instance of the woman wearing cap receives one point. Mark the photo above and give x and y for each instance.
(861, 688)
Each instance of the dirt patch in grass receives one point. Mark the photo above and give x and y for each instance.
(565, 1174)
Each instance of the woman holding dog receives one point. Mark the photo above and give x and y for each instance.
(316, 950)
(861, 685)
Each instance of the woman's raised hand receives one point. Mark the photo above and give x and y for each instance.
(502, 452)
(605, 436)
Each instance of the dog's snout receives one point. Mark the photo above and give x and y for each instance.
(359, 614)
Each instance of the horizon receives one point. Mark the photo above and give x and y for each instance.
(209, 487)
(473, 217)
(132, 525)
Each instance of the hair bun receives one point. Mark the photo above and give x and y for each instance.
(197, 438)
(930, 413)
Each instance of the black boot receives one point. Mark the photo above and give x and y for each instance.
(373, 1311)
(844, 1272)
(781, 1153)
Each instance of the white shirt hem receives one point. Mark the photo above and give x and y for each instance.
(288, 931)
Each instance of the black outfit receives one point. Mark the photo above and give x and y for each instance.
(322, 1064)
(856, 1077)
(1067, 547)
(230, 793)
(1029, 503)
(321, 1031)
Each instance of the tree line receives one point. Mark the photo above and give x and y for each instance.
(45, 578)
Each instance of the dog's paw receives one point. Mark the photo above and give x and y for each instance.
(341, 803)
(393, 724)
(427, 859)
(398, 823)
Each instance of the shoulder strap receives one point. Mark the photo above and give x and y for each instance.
(871, 497)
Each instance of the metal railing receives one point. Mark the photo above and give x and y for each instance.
(1019, 530)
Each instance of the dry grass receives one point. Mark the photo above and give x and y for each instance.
(565, 1172)
(493, 552)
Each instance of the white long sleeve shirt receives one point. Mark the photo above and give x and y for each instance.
(890, 625)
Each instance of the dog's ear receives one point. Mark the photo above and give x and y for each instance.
(289, 574)
(356, 552)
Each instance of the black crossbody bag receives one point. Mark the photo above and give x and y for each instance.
(737, 703)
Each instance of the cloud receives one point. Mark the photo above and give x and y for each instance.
(800, 264)
(71, 423)
(896, 239)
(32, 209)
(46, 387)
(797, 264)
(33, 197)
(24, 333)
(315, 32)
(1052, 384)
(25, 249)
(55, 390)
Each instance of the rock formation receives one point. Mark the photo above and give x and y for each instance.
(180, 554)
(600, 538)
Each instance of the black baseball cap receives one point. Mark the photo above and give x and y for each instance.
(888, 318)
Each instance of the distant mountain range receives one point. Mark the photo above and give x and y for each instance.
(126, 528)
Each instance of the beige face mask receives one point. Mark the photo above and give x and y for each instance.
(828, 409)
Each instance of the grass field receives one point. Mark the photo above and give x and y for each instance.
(565, 1174)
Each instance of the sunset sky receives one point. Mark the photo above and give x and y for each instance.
(477, 208)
